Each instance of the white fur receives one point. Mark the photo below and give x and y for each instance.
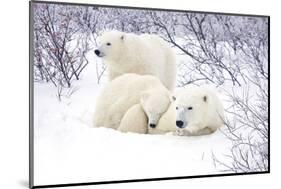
(200, 110)
(141, 54)
(155, 103)
(119, 95)
(134, 121)
(167, 122)
(204, 118)
(159, 110)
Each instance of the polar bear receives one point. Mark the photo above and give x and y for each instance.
(199, 111)
(166, 123)
(155, 103)
(193, 111)
(134, 121)
(120, 95)
(141, 54)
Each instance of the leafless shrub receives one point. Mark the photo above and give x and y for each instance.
(63, 93)
(60, 47)
(247, 128)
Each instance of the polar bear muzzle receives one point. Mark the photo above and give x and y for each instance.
(99, 53)
(153, 119)
(180, 124)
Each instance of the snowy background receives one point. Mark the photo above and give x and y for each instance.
(227, 52)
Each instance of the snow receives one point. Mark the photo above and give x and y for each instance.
(69, 149)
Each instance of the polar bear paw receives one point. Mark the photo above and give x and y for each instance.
(180, 132)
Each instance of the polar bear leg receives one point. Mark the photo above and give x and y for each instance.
(204, 131)
(207, 131)
(134, 120)
(192, 129)
(155, 131)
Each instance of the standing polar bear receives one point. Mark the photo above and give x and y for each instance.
(141, 54)
(121, 95)
(194, 110)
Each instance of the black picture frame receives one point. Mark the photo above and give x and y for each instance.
(31, 99)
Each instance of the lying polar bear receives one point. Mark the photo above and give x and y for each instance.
(199, 111)
(121, 94)
(144, 117)
(194, 111)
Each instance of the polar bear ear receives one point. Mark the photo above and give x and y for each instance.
(205, 98)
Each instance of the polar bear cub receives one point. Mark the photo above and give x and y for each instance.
(154, 115)
(134, 121)
(155, 103)
(120, 95)
(141, 54)
(199, 111)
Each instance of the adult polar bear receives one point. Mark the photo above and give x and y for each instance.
(141, 54)
(122, 94)
(194, 110)
(199, 111)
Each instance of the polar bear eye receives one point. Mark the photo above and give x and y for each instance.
(177, 108)
(189, 108)
(108, 44)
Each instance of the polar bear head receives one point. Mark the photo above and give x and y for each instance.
(155, 103)
(112, 45)
(191, 106)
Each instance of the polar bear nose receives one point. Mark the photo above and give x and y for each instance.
(152, 125)
(97, 52)
(179, 123)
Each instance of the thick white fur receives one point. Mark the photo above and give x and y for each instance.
(207, 112)
(167, 122)
(134, 121)
(206, 116)
(155, 104)
(141, 54)
(119, 95)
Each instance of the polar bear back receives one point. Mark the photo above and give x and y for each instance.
(140, 54)
(121, 94)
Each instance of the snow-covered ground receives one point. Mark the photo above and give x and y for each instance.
(68, 149)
